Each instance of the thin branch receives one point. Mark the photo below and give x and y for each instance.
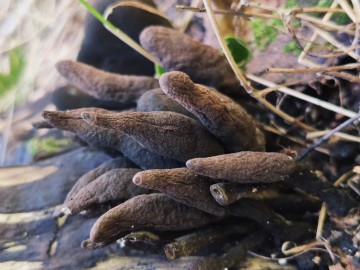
(229, 12)
(293, 138)
(313, 70)
(343, 178)
(329, 38)
(241, 77)
(328, 135)
(116, 31)
(297, 10)
(345, 6)
(189, 16)
(340, 135)
(345, 76)
(321, 222)
(325, 25)
(299, 95)
(308, 46)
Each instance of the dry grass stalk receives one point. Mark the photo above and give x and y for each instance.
(105, 85)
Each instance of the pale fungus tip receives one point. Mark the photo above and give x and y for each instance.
(191, 164)
(137, 179)
(87, 117)
(66, 210)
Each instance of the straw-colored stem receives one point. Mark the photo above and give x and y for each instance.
(313, 70)
(299, 95)
(321, 221)
(329, 38)
(230, 12)
(308, 46)
(116, 31)
(340, 135)
(356, 169)
(345, 5)
(317, 10)
(325, 25)
(243, 80)
(343, 178)
(189, 16)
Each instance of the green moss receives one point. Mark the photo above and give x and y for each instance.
(47, 145)
(265, 31)
(292, 47)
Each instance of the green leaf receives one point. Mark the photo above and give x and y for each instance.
(97, 14)
(239, 50)
(16, 68)
(159, 70)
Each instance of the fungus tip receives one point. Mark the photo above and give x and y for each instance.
(61, 65)
(88, 244)
(137, 179)
(191, 164)
(66, 210)
(87, 117)
(174, 80)
(220, 196)
(45, 114)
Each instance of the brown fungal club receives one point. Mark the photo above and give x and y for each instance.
(114, 185)
(72, 121)
(120, 162)
(153, 211)
(105, 85)
(183, 186)
(245, 167)
(226, 120)
(108, 138)
(157, 100)
(166, 133)
(204, 64)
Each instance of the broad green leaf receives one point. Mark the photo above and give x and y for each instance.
(239, 50)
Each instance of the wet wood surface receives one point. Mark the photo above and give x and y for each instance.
(32, 236)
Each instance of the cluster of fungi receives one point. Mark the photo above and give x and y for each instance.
(190, 160)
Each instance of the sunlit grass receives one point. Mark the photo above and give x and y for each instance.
(46, 32)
